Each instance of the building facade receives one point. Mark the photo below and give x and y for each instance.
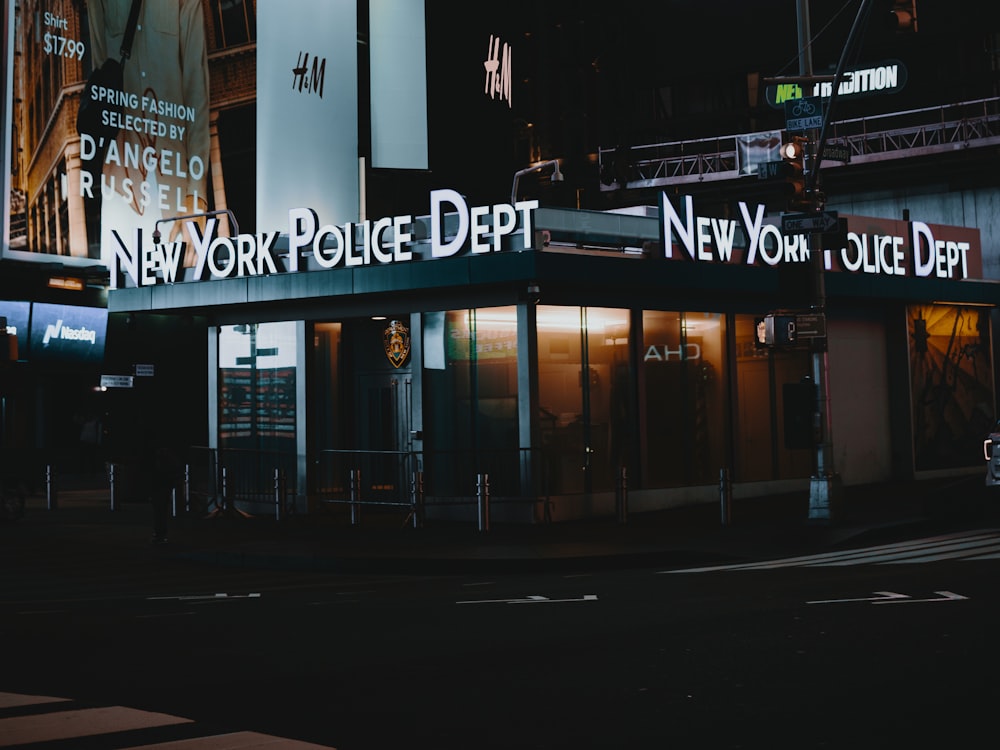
(334, 243)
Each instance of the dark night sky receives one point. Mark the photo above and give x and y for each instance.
(592, 74)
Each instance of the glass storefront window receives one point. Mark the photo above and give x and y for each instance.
(683, 398)
(257, 378)
(470, 408)
(584, 403)
(327, 423)
(760, 452)
(951, 384)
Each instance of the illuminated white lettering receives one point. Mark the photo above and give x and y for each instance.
(921, 236)
(401, 238)
(319, 246)
(724, 232)
(479, 230)
(302, 223)
(350, 259)
(504, 222)
(752, 225)
(673, 223)
(265, 253)
(376, 239)
(770, 230)
(230, 261)
(439, 248)
(664, 353)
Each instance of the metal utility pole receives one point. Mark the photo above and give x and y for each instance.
(824, 483)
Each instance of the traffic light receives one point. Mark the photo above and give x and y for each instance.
(793, 153)
(903, 16)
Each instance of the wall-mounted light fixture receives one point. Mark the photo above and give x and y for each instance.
(204, 214)
(65, 282)
(557, 175)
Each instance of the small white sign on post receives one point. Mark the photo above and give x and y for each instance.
(144, 371)
(116, 381)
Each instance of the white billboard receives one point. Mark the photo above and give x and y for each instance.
(112, 132)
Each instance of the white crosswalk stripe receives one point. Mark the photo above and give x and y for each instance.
(967, 545)
(47, 719)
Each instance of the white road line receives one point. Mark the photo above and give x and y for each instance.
(530, 599)
(943, 596)
(913, 549)
(994, 556)
(164, 614)
(880, 596)
(933, 552)
(203, 597)
(959, 553)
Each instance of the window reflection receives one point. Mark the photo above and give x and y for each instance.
(951, 378)
(683, 398)
(583, 396)
(470, 412)
(257, 386)
(327, 423)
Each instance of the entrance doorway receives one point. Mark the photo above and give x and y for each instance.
(383, 413)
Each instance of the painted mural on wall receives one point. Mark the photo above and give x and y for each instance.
(951, 381)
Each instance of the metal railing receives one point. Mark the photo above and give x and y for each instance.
(224, 481)
(421, 482)
(496, 483)
(895, 135)
(378, 479)
(943, 128)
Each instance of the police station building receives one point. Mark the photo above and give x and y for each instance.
(568, 356)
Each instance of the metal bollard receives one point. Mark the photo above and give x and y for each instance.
(51, 497)
(112, 481)
(621, 496)
(417, 499)
(279, 494)
(225, 490)
(483, 500)
(355, 497)
(173, 502)
(725, 497)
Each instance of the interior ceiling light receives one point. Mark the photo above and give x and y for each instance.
(64, 282)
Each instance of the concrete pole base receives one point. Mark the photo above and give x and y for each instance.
(824, 497)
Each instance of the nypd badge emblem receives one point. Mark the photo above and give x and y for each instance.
(396, 340)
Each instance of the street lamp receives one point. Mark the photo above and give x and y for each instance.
(557, 176)
(202, 215)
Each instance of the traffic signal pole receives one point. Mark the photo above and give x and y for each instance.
(824, 483)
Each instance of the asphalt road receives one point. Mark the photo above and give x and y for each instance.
(883, 647)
